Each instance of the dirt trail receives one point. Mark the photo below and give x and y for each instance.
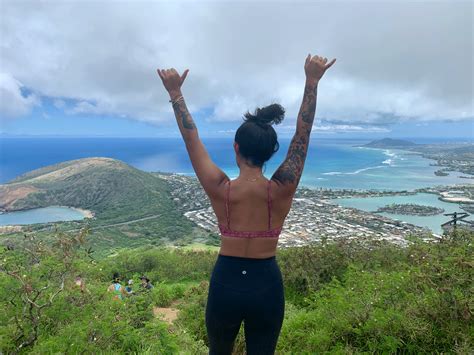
(168, 314)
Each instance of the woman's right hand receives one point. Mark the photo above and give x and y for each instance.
(315, 67)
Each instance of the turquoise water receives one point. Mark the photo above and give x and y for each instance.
(40, 215)
(433, 223)
(380, 169)
(340, 165)
(330, 163)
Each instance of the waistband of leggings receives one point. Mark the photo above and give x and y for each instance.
(248, 260)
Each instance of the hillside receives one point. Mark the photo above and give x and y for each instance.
(351, 296)
(131, 207)
(105, 186)
(34, 188)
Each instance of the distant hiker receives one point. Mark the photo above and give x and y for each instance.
(146, 283)
(79, 282)
(117, 288)
(250, 211)
(128, 288)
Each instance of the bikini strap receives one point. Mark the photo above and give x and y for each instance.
(269, 206)
(227, 206)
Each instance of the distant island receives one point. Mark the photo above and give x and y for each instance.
(410, 209)
(390, 143)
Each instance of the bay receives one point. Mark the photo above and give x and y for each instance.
(41, 215)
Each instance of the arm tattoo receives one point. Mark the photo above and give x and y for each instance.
(291, 169)
(308, 107)
(183, 115)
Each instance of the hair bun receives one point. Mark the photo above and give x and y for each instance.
(268, 115)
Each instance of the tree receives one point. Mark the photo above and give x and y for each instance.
(33, 274)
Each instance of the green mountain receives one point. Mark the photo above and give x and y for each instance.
(108, 187)
(131, 207)
(390, 143)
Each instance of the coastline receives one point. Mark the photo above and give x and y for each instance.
(85, 213)
(446, 164)
(446, 167)
(357, 187)
(385, 168)
(7, 228)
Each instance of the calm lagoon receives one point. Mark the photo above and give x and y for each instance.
(433, 223)
(41, 215)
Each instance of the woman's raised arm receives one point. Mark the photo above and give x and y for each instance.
(289, 173)
(209, 174)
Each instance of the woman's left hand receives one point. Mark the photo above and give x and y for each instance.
(171, 79)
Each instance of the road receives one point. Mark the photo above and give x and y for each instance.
(117, 224)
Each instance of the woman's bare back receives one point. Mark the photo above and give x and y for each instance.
(248, 211)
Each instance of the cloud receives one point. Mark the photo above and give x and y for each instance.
(59, 104)
(351, 128)
(396, 61)
(338, 128)
(14, 103)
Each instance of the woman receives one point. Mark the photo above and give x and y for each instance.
(116, 288)
(146, 284)
(246, 282)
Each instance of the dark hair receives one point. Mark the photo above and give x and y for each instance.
(256, 137)
(116, 277)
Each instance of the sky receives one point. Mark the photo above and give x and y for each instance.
(88, 68)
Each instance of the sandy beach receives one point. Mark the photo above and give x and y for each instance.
(86, 213)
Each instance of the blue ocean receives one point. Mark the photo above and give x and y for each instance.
(330, 163)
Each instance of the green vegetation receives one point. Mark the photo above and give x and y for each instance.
(345, 297)
(410, 209)
(441, 172)
(132, 208)
(454, 157)
(114, 191)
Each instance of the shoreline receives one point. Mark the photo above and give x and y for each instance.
(85, 213)
(329, 193)
(445, 167)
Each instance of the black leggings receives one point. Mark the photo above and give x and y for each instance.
(249, 290)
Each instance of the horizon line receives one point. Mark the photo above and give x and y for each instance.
(469, 138)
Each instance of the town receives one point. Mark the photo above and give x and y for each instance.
(312, 218)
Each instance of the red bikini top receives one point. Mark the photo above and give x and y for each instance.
(270, 233)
